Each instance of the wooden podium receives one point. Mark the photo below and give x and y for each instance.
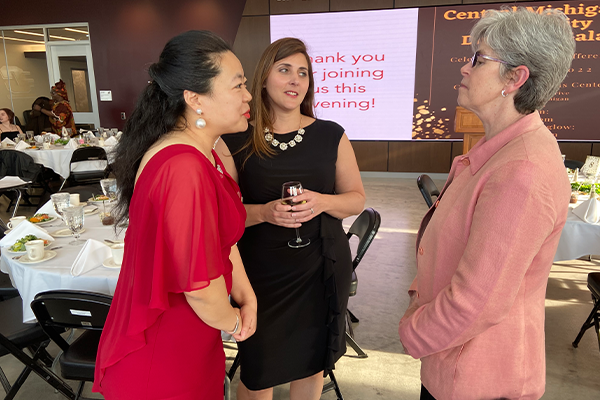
(470, 125)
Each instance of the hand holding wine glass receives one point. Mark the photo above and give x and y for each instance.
(288, 191)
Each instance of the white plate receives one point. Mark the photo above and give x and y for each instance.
(99, 202)
(65, 232)
(45, 222)
(48, 255)
(15, 253)
(110, 263)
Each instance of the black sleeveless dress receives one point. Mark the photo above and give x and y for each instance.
(9, 134)
(302, 293)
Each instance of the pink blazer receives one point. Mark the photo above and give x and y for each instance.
(484, 253)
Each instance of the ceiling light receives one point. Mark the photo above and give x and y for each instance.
(76, 30)
(62, 37)
(29, 33)
(23, 40)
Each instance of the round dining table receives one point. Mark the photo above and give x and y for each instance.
(577, 239)
(31, 279)
(58, 159)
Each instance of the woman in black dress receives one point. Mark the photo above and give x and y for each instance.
(8, 127)
(302, 293)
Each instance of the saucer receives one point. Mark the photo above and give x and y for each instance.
(48, 255)
(110, 263)
(65, 232)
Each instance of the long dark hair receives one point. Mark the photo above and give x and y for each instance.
(260, 106)
(189, 61)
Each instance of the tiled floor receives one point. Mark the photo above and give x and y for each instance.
(384, 276)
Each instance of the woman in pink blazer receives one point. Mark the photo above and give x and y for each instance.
(484, 250)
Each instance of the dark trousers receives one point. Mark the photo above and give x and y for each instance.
(425, 395)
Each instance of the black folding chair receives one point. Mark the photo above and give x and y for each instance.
(593, 320)
(18, 164)
(16, 336)
(428, 189)
(573, 164)
(88, 176)
(7, 290)
(57, 310)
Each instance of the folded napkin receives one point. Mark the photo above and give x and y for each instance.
(589, 210)
(39, 138)
(47, 208)
(22, 145)
(23, 229)
(111, 141)
(91, 256)
(8, 141)
(54, 136)
(72, 144)
(64, 132)
(118, 135)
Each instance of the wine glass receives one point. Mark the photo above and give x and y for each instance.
(29, 136)
(288, 190)
(109, 188)
(74, 220)
(60, 201)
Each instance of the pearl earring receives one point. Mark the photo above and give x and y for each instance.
(200, 122)
(503, 93)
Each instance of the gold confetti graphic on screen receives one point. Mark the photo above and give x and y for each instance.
(426, 125)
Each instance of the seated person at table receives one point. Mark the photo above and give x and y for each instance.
(61, 115)
(38, 121)
(484, 251)
(8, 127)
(162, 338)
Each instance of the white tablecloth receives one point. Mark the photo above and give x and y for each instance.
(58, 159)
(56, 273)
(578, 239)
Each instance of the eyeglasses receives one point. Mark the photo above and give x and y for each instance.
(477, 54)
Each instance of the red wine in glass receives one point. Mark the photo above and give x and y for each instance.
(289, 190)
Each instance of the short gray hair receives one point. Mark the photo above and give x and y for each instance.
(541, 41)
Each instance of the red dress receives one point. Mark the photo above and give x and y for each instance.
(184, 217)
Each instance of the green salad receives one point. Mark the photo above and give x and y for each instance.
(584, 187)
(61, 141)
(20, 244)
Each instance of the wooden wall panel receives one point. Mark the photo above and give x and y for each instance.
(419, 156)
(352, 5)
(457, 150)
(256, 7)
(596, 149)
(575, 150)
(298, 6)
(371, 156)
(252, 39)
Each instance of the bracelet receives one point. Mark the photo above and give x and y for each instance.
(237, 325)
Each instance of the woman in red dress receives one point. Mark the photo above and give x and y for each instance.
(162, 336)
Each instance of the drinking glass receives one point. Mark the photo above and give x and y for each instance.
(29, 136)
(74, 220)
(288, 190)
(109, 188)
(60, 201)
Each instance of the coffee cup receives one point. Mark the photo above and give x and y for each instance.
(117, 252)
(74, 199)
(14, 221)
(35, 250)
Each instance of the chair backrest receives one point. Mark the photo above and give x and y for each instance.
(70, 309)
(88, 154)
(17, 163)
(365, 227)
(573, 164)
(427, 188)
(26, 115)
